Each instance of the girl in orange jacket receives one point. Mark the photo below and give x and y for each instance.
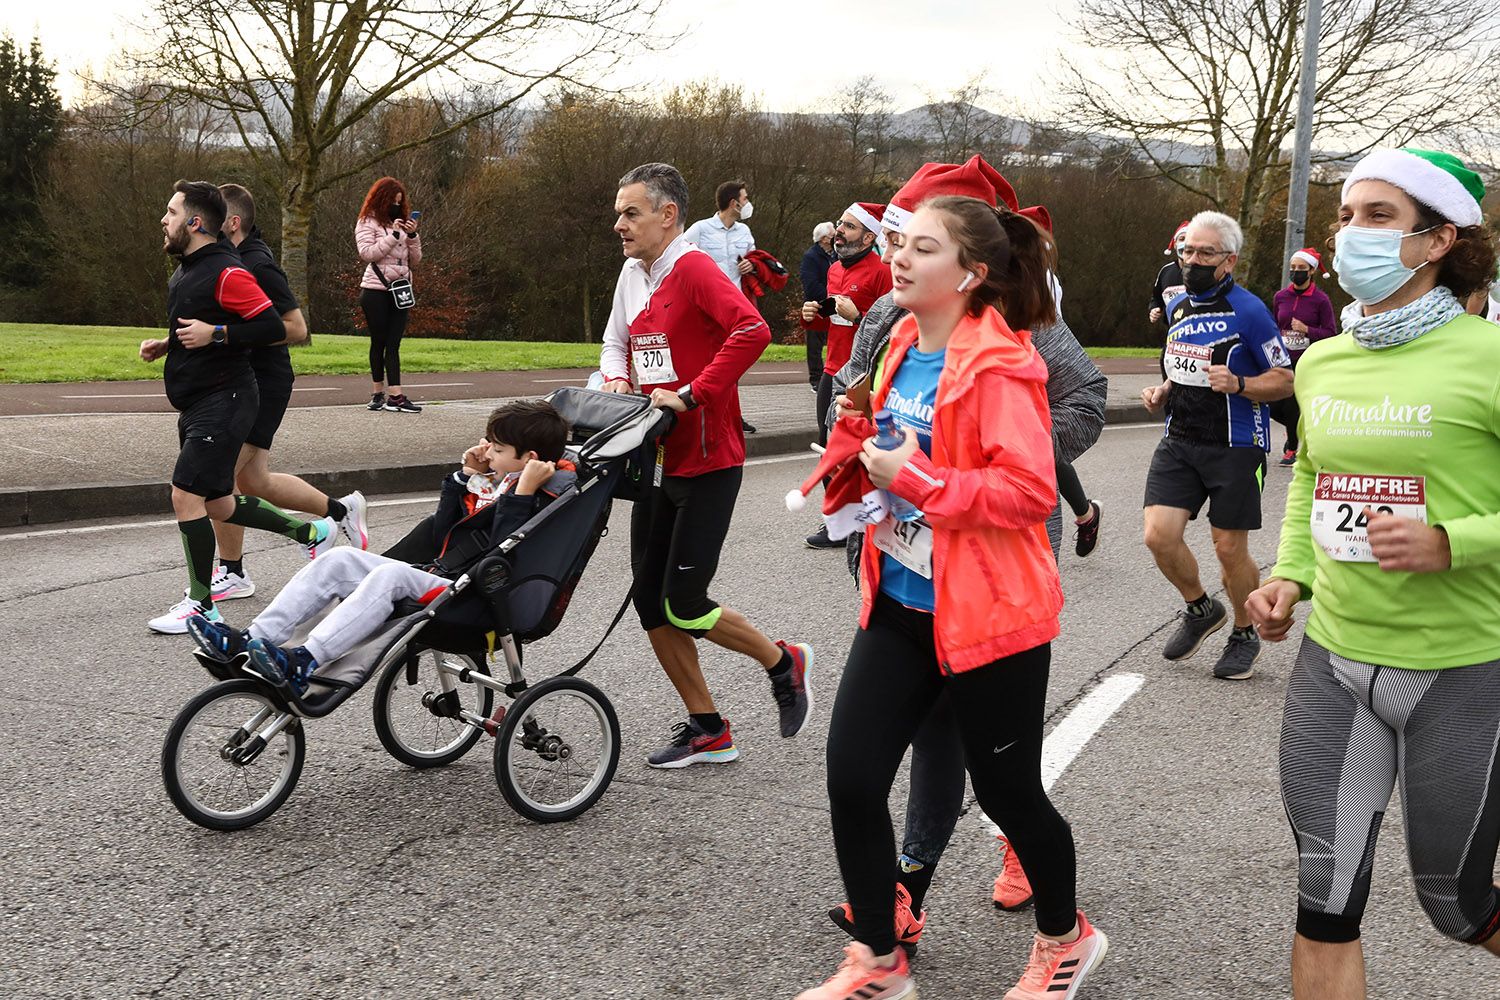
(965, 597)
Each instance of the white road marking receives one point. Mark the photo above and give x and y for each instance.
(118, 395)
(1072, 734)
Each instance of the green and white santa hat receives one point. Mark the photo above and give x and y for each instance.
(1438, 180)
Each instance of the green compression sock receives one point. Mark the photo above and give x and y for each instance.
(198, 547)
(253, 512)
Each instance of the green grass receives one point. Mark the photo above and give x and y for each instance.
(35, 353)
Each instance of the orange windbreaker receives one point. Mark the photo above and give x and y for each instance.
(986, 491)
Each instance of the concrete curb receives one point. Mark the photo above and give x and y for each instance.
(80, 501)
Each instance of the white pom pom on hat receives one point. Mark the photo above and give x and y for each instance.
(795, 501)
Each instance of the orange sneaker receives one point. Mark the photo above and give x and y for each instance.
(859, 978)
(1056, 970)
(1012, 888)
(908, 925)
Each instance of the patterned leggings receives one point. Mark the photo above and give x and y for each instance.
(1352, 731)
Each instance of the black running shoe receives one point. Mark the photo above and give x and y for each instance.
(377, 401)
(793, 697)
(1193, 630)
(748, 427)
(400, 404)
(819, 540)
(1237, 662)
(1088, 532)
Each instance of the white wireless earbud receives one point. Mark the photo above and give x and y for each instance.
(963, 286)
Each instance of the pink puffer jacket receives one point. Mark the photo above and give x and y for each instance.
(389, 248)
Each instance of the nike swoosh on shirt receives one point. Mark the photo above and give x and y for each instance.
(1006, 747)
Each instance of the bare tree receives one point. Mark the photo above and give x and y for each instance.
(295, 77)
(1204, 91)
(863, 111)
(960, 124)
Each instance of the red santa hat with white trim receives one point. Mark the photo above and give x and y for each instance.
(868, 214)
(1179, 236)
(1311, 258)
(850, 500)
(974, 178)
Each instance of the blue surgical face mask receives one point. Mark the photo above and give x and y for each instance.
(1368, 262)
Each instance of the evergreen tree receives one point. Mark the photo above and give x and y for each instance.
(30, 124)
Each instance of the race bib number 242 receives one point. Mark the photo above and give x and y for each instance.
(1340, 525)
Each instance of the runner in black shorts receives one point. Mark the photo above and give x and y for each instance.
(1223, 361)
(683, 332)
(216, 312)
(272, 365)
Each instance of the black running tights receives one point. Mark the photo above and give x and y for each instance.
(890, 683)
(1071, 489)
(386, 324)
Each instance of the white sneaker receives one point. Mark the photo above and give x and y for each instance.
(324, 538)
(227, 586)
(353, 525)
(174, 622)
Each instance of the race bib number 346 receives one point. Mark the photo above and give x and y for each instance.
(1339, 522)
(1187, 364)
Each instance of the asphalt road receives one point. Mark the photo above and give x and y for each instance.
(375, 880)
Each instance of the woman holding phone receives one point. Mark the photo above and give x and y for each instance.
(389, 244)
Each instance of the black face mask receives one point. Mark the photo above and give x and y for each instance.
(1300, 278)
(1199, 278)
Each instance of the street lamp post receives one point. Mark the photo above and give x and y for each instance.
(1296, 207)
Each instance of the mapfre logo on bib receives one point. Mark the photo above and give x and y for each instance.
(1341, 418)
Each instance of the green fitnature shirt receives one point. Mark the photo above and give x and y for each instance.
(1428, 408)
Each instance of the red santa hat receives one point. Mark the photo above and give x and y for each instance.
(1039, 215)
(1178, 236)
(974, 178)
(1311, 258)
(868, 215)
(850, 500)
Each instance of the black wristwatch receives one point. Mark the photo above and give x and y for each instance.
(686, 395)
(1241, 390)
(221, 335)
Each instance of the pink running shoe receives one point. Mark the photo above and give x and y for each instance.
(859, 978)
(1012, 888)
(1056, 970)
(908, 925)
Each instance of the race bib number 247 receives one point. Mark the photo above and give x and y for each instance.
(1340, 525)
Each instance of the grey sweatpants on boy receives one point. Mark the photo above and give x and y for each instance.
(371, 586)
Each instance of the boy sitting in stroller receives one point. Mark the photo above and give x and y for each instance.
(506, 478)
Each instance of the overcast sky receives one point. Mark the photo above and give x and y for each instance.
(792, 60)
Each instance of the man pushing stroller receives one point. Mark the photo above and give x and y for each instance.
(505, 480)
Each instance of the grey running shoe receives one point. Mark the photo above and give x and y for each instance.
(1237, 662)
(1193, 630)
(377, 401)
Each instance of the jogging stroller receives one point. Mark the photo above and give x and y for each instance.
(234, 753)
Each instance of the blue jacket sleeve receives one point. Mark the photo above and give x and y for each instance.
(814, 278)
(450, 507)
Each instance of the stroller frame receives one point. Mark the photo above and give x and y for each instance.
(617, 455)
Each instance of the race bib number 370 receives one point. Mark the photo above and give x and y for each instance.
(1339, 522)
(1187, 364)
(651, 359)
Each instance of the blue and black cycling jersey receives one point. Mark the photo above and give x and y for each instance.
(1230, 327)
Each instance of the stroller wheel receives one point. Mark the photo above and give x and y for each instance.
(232, 757)
(557, 750)
(418, 722)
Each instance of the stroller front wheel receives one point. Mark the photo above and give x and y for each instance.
(557, 750)
(231, 757)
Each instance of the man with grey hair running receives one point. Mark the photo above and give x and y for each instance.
(1224, 360)
(683, 334)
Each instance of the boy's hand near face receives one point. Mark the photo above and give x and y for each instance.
(534, 476)
(477, 459)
